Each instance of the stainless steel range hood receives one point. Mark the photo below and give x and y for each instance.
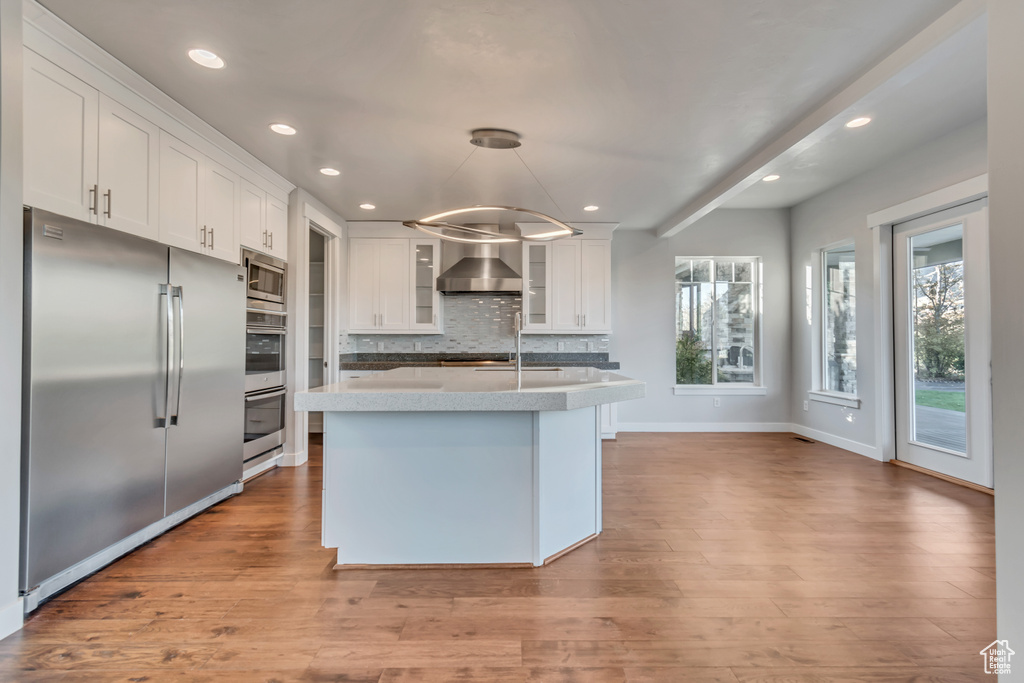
(477, 268)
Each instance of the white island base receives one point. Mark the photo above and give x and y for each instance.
(450, 488)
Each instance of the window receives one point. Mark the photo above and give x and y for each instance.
(839, 372)
(716, 320)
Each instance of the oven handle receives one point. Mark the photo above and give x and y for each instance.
(266, 330)
(263, 310)
(258, 397)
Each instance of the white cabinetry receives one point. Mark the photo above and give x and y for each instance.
(199, 199)
(85, 155)
(264, 222)
(425, 315)
(568, 286)
(379, 285)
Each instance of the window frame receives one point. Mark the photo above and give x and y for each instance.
(756, 386)
(821, 393)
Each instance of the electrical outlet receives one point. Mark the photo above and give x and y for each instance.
(807, 406)
(380, 346)
(561, 346)
(718, 402)
(417, 346)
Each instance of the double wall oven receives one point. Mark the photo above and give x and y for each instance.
(265, 371)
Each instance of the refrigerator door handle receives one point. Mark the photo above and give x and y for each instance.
(163, 419)
(178, 292)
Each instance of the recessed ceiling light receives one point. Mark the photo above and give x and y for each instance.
(858, 122)
(330, 171)
(771, 177)
(282, 129)
(367, 207)
(591, 208)
(206, 58)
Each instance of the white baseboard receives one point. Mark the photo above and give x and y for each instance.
(294, 459)
(11, 618)
(857, 447)
(864, 449)
(704, 426)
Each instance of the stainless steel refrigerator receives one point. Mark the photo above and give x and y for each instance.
(133, 383)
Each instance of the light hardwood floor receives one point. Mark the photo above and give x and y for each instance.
(725, 557)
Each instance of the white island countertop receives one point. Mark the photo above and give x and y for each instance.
(472, 389)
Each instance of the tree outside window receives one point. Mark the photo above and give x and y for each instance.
(716, 313)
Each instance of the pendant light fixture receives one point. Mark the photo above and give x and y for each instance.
(437, 226)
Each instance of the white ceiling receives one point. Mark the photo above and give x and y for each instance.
(634, 105)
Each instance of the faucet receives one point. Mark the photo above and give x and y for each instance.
(517, 324)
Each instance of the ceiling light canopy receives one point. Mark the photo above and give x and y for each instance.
(771, 177)
(327, 170)
(437, 226)
(282, 129)
(206, 58)
(858, 122)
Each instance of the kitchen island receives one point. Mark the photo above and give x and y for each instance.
(453, 466)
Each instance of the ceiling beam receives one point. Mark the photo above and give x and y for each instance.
(902, 65)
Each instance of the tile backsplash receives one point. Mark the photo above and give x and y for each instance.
(475, 323)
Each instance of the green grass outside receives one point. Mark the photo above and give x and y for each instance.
(948, 400)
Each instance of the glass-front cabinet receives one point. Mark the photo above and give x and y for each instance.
(536, 293)
(426, 302)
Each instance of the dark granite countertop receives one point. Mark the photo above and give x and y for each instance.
(390, 361)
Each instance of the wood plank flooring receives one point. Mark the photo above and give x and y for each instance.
(725, 557)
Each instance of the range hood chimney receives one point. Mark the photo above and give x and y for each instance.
(477, 268)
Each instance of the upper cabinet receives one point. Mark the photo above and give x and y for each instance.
(200, 200)
(567, 286)
(393, 285)
(85, 155)
(98, 151)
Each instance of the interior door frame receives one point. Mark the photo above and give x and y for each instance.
(304, 217)
(881, 224)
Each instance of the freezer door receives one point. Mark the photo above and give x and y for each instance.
(204, 441)
(95, 372)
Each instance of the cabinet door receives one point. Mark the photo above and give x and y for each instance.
(129, 147)
(425, 261)
(536, 293)
(363, 258)
(565, 285)
(596, 290)
(277, 228)
(220, 214)
(252, 212)
(182, 194)
(393, 284)
(60, 140)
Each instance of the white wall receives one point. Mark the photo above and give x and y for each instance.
(643, 304)
(841, 214)
(1006, 234)
(10, 313)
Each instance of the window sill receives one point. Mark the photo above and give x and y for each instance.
(718, 389)
(836, 399)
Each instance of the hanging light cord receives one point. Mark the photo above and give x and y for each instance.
(539, 183)
(459, 168)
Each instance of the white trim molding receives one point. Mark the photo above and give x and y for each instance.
(704, 427)
(836, 399)
(718, 390)
(933, 202)
(857, 447)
